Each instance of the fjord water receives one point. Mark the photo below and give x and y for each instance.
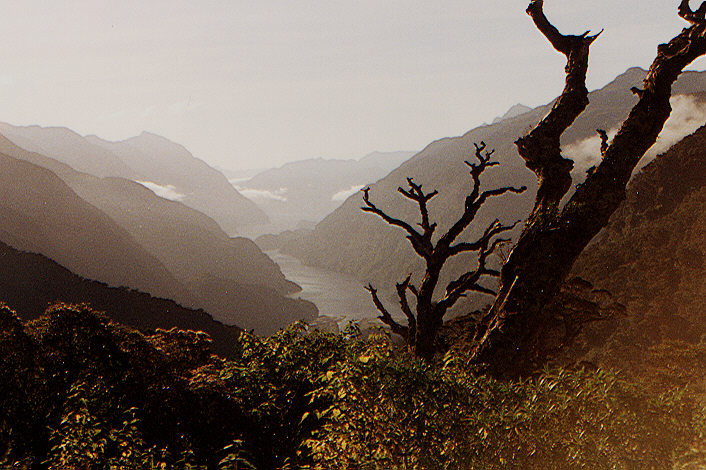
(335, 295)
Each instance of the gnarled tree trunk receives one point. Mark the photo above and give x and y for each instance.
(510, 338)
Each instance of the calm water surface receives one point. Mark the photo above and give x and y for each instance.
(335, 294)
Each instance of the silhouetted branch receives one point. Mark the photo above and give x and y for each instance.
(496, 228)
(402, 288)
(475, 200)
(469, 280)
(416, 194)
(385, 316)
(693, 17)
(420, 243)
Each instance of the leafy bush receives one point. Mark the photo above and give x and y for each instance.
(99, 395)
(390, 412)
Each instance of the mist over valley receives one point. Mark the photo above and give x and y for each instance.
(335, 236)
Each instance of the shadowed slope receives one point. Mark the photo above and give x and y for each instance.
(30, 282)
(40, 213)
(229, 277)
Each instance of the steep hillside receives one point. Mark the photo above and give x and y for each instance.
(69, 147)
(40, 213)
(30, 282)
(309, 190)
(149, 158)
(362, 245)
(191, 246)
(253, 287)
(163, 162)
(652, 258)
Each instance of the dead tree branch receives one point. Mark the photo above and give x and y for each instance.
(693, 17)
(427, 317)
(507, 337)
(385, 316)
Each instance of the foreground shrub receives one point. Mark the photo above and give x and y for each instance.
(391, 412)
(82, 392)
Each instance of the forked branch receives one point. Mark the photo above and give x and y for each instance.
(541, 148)
(422, 327)
(385, 316)
(693, 17)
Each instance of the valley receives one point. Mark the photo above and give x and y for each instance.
(159, 312)
(336, 295)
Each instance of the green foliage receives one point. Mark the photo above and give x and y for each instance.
(272, 379)
(390, 412)
(85, 438)
(305, 399)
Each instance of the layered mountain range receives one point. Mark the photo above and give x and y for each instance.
(150, 159)
(117, 231)
(306, 191)
(362, 245)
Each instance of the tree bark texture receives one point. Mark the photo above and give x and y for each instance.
(509, 339)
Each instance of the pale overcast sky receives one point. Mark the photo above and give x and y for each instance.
(253, 84)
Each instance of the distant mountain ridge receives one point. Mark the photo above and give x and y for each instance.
(514, 111)
(194, 255)
(159, 160)
(69, 147)
(308, 190)
(149, 158)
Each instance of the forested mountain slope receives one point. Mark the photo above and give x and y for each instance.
(652, 258)
(30, 282)
(362, 245)
(193, 248)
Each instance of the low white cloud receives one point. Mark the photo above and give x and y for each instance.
(688, 114)
(346, 193)
(263, 194)
(165, 191)
(234, 181)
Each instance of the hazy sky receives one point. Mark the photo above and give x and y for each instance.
(252, 84)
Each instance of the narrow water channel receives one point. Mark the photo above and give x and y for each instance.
(335, 295)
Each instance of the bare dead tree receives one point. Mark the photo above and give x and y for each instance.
(509, 338)
(424, 322)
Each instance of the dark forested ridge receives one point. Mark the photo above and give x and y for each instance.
(652, 258)
(30, 283)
